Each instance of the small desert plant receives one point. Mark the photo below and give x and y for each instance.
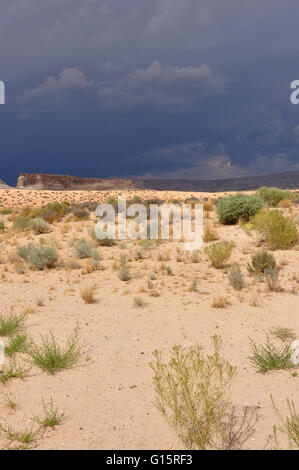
(17, 344)
(261, 262)
(10, 402)
(80, 213)
(22, 224)
(268, 357)
(39, 226)
(277, 231)
(84, 249)
(289, 425)
(208, 206)
(105, 241)
(42, 257)
(238, 206)
(51, 417)
(54, 211)
(219, 253)
(138, 302)
(124, 273)
(50, 357)
(209, 235)
(2, 226)
(26, 437)
(284, 334)
(271, 276)
(285, 204)
(192, 392)
(272, 196)
(236, 278)
(220, 302)
(11, 324)
(12, 370)
(87, 294)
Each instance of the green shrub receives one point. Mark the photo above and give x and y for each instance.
(272, 196)
(268, 357)
(22, 224)
(84, 249)
(238, 206)
(261, 262)
(51, 358)
(41, 257)
(2, 226)
(192, 392)
(236, 278)
(279, 232)
(219, 253)
(11, 324)
(54, 211)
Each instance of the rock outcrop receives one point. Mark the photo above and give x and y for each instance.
(67, 182)
(3, 185)
(287, 180)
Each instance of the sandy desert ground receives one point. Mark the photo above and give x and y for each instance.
(107, 398)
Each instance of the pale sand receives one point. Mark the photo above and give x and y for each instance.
(108, 399)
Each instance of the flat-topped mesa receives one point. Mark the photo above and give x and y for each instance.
(67, 182)
(3, 185)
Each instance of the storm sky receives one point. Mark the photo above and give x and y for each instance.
(191, 89)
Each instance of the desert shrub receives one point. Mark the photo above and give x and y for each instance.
(271, 277)
(268, 357)
(138, 302)
(124, 273)
(261, 262)
(208, 206)
(219, 302)
(285, 203)
(238, 206)
(236, 278)
(289, 425)
(42, 257)
(277, 231)
(219, 253)
(272, 196)
(80, 213)
(12, 370)
(6, 211)
(51, 417)
(192, 392)
(284, 334)
(22, 224)
(39, 226)
(11, 324)
(84, 249)
(209, 234)
(54, 211)
(50, 357)
(87, 294)
(17, 344)
(2, 226)
(102, 241)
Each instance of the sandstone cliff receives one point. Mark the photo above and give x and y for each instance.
(67, 182)
(3, 185)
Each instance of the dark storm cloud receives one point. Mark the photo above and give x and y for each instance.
(193, 88)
